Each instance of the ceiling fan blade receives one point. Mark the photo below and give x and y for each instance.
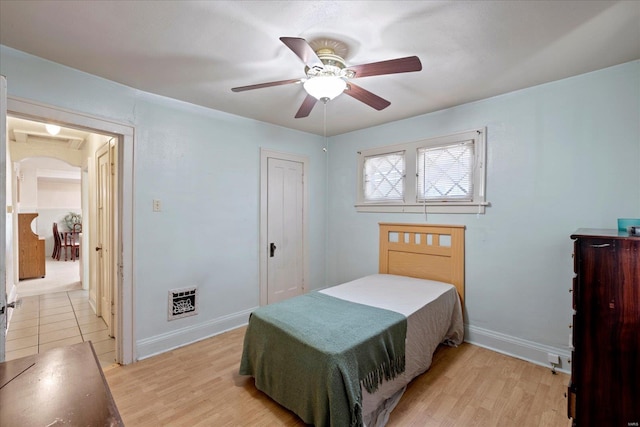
(391, 66)
(261, 85)
(303, 50)
(363, 95)
(306, 107)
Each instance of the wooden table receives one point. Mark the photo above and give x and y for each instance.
(63, 386)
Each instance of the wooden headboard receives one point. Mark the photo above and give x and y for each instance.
(425, 251)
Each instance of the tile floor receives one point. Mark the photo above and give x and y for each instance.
(57, 319)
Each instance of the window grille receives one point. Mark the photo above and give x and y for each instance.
(446, 173)
(384, 177)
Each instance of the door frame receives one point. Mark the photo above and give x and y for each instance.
(124, 298)
(6, 217)
(265, 155)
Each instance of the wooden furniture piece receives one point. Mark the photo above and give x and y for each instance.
(61, 386)
(71, 245)
(57, 242)
(31, 249)
(77, 236)
(417, 251)
(605, 372)
(67, 241)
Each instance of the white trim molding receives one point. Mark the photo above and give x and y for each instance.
(409, 200)
(163, 343)
(517, 347)
(31, 110)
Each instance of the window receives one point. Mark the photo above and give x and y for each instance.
(384, 177)
(439, 175)
(446, 173)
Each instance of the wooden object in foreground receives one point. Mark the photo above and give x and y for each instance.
(62, 386)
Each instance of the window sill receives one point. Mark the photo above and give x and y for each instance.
(440, 208)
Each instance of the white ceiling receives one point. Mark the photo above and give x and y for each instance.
(35, 133)
(196, 51)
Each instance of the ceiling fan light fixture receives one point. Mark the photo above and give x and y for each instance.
(52, 129)
(325, 87)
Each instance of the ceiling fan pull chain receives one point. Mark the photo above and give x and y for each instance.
(324, 125)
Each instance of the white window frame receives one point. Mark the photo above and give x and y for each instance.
(402, 179)
(411, 204)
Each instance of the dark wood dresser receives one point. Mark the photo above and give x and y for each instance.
(605, 372)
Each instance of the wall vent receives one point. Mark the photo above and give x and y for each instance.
(183, 302)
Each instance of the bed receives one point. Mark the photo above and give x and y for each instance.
(343, 356)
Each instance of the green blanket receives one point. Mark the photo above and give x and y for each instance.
(311, 353)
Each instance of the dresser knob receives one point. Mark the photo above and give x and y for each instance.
(570, 290)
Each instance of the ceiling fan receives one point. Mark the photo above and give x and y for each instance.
(327, 75)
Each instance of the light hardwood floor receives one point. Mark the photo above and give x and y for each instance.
(199, 385)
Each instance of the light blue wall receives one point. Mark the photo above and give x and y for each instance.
(206, 172)
(561, 156)
(204, 166)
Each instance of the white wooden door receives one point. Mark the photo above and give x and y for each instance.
(5, 216)
(104, 279)
(285, 202)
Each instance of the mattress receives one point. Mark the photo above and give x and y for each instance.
(434, 316)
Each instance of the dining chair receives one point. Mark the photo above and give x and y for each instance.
(77, 229)
(68, 242)
(57, 244)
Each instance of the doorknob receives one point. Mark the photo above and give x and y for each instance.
(272, 249)
(98, 248)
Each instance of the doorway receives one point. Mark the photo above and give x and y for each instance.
(55, 201)
(122, 211)
(49, 191)
(283, 226)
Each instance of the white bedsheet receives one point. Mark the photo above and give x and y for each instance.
(434, 316)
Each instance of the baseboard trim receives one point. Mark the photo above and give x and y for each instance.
(516, 347)
(511, 346)
(162, 343)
